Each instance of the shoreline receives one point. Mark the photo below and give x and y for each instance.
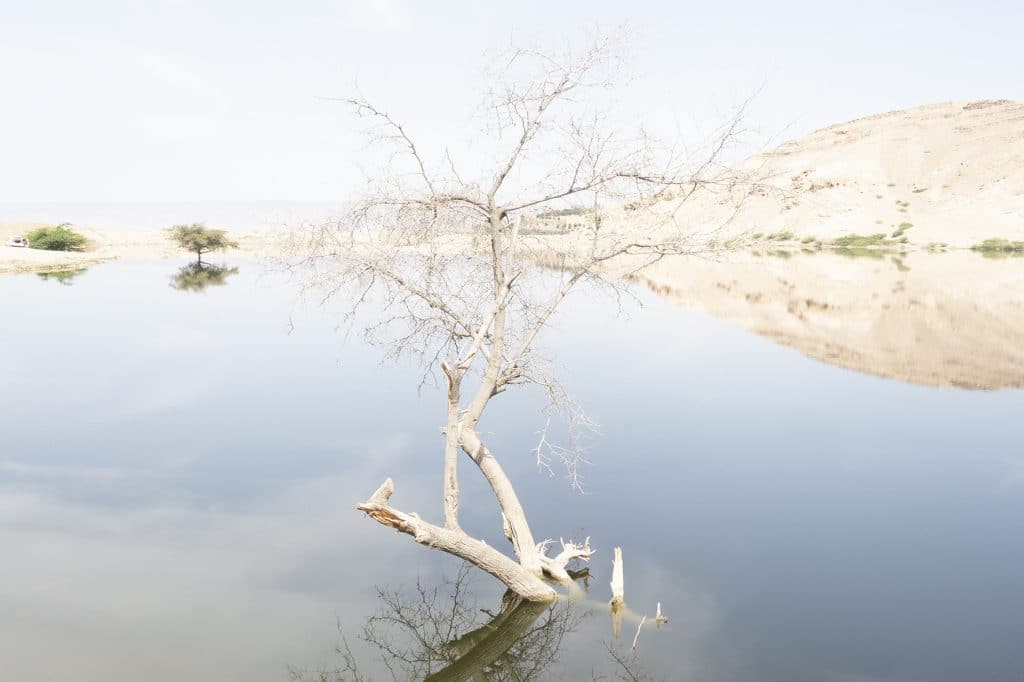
(106, 246)
(109, 245)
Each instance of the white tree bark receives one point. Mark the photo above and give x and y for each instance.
(618, 603)
(451, 450)
(556, 567)
(514, 575)
(618, 583)
(515, 517)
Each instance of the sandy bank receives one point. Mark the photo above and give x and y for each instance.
(107, 245)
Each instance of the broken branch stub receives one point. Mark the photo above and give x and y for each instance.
(618, 593)
(617, 584)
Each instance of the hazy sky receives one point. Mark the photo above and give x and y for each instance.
(219, 99)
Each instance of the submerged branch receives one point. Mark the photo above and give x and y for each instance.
(458, 543)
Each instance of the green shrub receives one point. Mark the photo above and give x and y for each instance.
(59, 238)
(999, 246)
(782, 236)
(860, 240)
(563, 212)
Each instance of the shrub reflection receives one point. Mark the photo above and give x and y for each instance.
(64, 277)
(198, 276)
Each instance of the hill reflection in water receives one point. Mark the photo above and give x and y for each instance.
(948, 320)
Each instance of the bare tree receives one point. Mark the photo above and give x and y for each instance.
(469, 267)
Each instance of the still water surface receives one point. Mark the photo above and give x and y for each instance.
(178, 470)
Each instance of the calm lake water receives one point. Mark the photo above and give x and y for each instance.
(179, 468)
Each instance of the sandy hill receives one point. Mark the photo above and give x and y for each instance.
(954, 171)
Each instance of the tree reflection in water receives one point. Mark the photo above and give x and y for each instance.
(65, 277)
(441, 634)
(197, 276)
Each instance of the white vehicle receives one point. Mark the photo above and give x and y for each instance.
(16, 241)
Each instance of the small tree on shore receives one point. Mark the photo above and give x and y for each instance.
(200, 239)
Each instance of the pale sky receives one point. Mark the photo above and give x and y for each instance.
(174, 100)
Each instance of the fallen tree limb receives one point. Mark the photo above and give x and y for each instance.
(458, 543)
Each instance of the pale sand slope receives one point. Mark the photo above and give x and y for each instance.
(958, 170)
(107, 245)
(954, 319)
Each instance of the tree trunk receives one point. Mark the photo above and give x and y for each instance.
(451, 451)
(515, 518)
